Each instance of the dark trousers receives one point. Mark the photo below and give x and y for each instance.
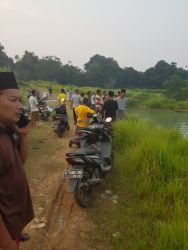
(74, 116)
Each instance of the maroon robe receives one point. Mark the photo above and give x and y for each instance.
(15, 201)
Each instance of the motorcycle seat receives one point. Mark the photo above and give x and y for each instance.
(84, 151)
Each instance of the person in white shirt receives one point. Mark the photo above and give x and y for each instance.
(33, 103)
(122, 104)
(98, 101)
(92, 101)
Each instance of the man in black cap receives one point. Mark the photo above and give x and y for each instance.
(15, 202)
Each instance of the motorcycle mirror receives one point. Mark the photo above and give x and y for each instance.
(108, 119)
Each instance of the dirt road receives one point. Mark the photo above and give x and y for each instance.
(59, 222)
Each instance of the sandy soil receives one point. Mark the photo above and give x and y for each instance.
(59, 222)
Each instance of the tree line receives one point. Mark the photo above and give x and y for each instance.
(99, 71)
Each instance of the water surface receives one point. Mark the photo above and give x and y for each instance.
(168, 119)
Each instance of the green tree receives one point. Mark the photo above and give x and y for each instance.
(102, 71)
(154, 77)
(176, 87)
(5, 61)
(71, 75)
(49, 68)
(129, 77)
(27, 66)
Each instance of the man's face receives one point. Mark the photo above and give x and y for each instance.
(10, 106)
(122, 94)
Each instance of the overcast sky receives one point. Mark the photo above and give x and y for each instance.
(136, 33)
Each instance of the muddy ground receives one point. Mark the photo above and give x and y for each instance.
(59, 222)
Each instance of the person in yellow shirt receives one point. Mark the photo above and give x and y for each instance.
(81, 112)
(62, 97)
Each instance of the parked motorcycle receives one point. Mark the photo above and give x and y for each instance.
(44, 113)
(60, 120)
(90, 163)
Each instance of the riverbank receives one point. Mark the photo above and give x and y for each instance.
(149, 181)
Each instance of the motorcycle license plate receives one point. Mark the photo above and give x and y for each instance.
(73, 173)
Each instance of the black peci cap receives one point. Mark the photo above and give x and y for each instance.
(123, 90)
(8, 81)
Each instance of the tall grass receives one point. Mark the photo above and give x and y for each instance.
(150, 176)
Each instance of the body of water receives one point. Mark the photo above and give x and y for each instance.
(168, 119)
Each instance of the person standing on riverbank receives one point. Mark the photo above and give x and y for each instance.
(16, 209)
(122, 104)
(98, 101)
(110, 107)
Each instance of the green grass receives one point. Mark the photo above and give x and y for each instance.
(150, 177)
(154, 99)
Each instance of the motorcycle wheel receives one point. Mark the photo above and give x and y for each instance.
(60, 133)
(83, 194)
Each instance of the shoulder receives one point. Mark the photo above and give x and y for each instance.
(88, 109)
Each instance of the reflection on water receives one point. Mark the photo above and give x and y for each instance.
(169, 119)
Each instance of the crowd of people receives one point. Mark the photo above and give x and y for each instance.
(107, 104)
(102, 103)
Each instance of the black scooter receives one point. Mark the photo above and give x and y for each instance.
(90, 163)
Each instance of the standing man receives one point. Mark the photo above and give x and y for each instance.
(15, 202)
(75, 101)
(50, 90)
(34, 106)
(98, 101)
(92, 100)
(122, 104)
(62, 97)
(110, 107)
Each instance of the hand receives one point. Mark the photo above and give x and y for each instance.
(21, 131)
